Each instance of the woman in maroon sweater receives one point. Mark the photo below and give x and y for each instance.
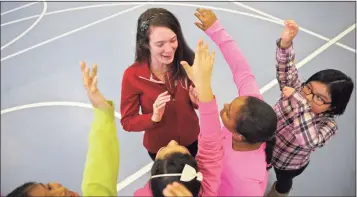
(158, 85)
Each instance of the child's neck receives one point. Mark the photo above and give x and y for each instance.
(243, 146)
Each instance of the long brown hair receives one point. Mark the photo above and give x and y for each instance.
(161, 17)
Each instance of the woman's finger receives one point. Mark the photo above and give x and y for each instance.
(195, 94)
(163, 98)
(191, 89)
(162, 94)
(159, 106)
(160, 100)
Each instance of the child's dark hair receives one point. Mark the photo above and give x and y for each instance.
(340, 88)
(160, 17)
(173, 163)
(257, 122)
(21, 191)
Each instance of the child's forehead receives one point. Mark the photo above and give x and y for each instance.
(319, 88)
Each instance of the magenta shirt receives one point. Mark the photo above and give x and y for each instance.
(210, 151)
(243, 172)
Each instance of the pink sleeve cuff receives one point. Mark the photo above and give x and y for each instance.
(214, 28)
(208, 107)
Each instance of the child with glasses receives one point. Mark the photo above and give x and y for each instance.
(306, 112)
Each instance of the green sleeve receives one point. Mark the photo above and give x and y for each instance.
(102, 164)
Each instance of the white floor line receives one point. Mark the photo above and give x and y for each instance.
(147, 168)
(130, 179)
(256, 11)
(267, 87)
(52, 104)
(18, 8)
(152, 3)
(70, 10)
(300, 28)
(72, 31)
(28, 29)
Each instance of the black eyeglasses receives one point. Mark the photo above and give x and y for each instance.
(316, 98)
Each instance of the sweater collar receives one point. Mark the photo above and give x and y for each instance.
(145, 73)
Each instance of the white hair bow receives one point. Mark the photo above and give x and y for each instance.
(188, 174)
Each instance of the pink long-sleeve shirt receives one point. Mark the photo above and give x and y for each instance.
(244, 172)
(210, 151)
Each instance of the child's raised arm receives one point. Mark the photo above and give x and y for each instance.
(210, 139)
(242, 74)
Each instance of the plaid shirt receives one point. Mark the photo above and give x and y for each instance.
(299, 130)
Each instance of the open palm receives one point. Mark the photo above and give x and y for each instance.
(201, 70)
(90, 84)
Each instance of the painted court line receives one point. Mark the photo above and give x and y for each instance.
(270, 85)
(300, 28)
(130, 179)
(130, 9)
(18, 8)
(268, 16)
(104, 19)
(71, 32)
(147, 168)
(69, 10)
(52, 104)
(28, 29)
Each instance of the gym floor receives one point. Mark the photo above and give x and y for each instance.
(46, 116)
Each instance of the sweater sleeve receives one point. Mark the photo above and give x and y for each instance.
(242, 74)
(102, 163)
(131, 120)
(286, 71)
(210, 147)
(308, 132)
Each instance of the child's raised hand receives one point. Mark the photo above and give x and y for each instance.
(201, 70)
(90, 84)
(289, 33)
(206, 17)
